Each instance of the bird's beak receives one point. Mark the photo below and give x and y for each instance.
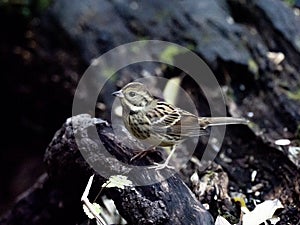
(118, 94)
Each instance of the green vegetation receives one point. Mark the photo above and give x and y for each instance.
(294, 95)
(253, 67)
(169, 53)
(290, 2)
(26, 8)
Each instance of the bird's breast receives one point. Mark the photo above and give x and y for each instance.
(138, 125)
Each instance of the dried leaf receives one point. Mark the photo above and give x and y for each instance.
(95, 207)
(262, 212)
(221, 221)
(117, 181)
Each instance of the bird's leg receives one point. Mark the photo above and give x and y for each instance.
(142, 154)
(159, 166)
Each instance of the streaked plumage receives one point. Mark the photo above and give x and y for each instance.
(160, 123)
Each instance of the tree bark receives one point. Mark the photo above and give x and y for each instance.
(166, 202)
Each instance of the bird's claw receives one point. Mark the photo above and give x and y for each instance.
(142, 154)
(160, 166)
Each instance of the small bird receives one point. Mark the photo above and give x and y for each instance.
(159, 123)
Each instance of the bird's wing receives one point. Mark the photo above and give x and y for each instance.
(170, 120)
(189, 125)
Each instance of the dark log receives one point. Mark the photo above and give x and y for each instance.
(166, 202)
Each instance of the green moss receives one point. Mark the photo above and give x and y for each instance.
(143, 38)
(169, 54)
(191, 47)
(253, 67)
(138, 47)
(294, 95)
(135, 49)
(108, 73)
(290, 2)
(41, 5)
(283, 84)
(26, 8)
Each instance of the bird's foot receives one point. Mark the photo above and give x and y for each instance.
(142, 154)
(160, 166)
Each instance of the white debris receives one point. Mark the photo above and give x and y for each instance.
(282, 142)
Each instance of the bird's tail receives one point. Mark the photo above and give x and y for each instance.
(217, 121)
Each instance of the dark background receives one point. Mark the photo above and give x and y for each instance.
(45, 47)
(39, 69)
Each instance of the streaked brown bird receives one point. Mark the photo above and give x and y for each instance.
(160, 123)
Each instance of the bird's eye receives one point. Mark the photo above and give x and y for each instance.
(131, 94)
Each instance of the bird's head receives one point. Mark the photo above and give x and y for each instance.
(135, 96)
